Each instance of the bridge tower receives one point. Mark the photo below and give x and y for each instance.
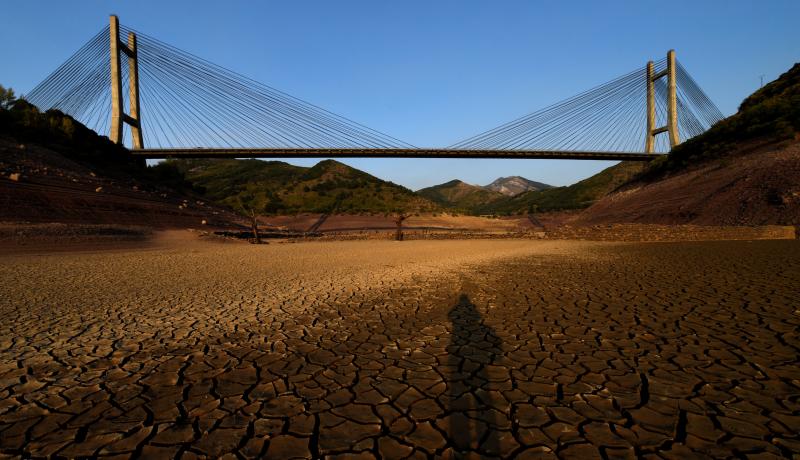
(672, 104)
(118, 115)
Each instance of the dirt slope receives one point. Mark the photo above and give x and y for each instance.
(756, 186)
(41, 185)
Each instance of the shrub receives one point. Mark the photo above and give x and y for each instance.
(7, 98)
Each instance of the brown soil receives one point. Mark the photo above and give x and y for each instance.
(753, 188)
(554, 219)
(446, 222)
(44, 239)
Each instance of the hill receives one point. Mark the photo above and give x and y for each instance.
(745, 170)
(460, 196)
(274, 187)
(514, 185)
(576, 196)
(54, 130)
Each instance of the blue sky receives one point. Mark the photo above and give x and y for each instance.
(432, 72)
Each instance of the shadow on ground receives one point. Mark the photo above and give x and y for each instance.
(473, 346)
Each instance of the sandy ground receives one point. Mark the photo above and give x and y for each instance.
(509, 348)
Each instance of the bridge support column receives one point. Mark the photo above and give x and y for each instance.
(118, 115)
(672, 101)
(115, 134)
(651, 109)
(672, 104)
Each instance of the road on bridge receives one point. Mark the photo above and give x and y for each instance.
(386, 153)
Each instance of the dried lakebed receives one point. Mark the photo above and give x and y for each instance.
(420, 349)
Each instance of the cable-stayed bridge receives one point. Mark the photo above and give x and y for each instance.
(177, 104)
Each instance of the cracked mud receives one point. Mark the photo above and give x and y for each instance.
(524, 349)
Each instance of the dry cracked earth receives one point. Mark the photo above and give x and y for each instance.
(421, 349)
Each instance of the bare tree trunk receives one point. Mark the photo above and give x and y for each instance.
(256, 237)
(399, 222)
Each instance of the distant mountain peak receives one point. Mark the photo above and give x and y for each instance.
(459, 194)
(514, 185)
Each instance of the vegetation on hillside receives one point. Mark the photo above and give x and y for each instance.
(460, 196)
(576, 196)
(7, 97)
(274, 187)
(53, 129)
(771, 114)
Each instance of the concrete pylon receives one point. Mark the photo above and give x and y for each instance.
(118, 115)
(672, 101)
(115, 133)
(672, 104)
(651, 109)
(133, 87)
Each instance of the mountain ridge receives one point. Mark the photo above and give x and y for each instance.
(514, 185)
(579, 195)
(459, 195)
(275, 187)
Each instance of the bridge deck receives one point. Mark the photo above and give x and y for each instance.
(388, 153)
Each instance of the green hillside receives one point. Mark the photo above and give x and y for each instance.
(274, 187)
(460, 196)
(576, 196)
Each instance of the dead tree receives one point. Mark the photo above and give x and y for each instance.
(256, 237)
(398, 220)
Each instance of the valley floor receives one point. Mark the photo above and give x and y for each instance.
(572, 349)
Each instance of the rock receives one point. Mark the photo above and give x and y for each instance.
(14, 176)
(204, 222)
(98, 189)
